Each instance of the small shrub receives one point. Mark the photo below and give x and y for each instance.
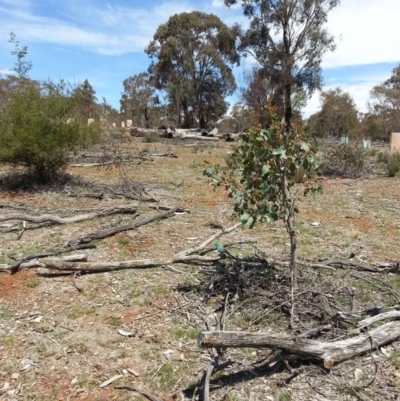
(383, 157)
(344, 160)
(393, 164)
(32, 283)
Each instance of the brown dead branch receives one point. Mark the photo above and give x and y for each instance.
(115, 230)
(102, 212)
(330, 353)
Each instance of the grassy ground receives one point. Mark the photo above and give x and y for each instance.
(58, 343)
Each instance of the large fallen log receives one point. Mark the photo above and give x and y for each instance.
(330, 353)
(115, 230)
(102, 212)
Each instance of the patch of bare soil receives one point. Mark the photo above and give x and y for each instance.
(77, 337)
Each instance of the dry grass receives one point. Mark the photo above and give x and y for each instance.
(61, 344)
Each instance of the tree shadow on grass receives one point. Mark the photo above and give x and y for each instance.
(16, 181)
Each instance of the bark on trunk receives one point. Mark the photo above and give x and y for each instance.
(329, 353)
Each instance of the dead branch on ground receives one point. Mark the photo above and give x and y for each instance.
(14, 268)
(186, 256)
(115, 230)
(330, 353)
(102, 212)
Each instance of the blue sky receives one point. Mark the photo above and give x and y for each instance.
(104, 41)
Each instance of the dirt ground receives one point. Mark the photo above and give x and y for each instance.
(61, 343)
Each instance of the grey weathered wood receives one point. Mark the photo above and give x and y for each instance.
(74, 219)
(329, 353)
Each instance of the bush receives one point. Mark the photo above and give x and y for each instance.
(39, 127)
(383, 157)
(393, 164)
(344, 161)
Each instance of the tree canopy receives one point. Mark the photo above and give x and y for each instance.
(338, 115)
(385, 103)
(192, 58)
(138, 99)
(288, 39)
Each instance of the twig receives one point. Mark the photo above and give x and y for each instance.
(144, 394)
(74, 281)
(155, 374)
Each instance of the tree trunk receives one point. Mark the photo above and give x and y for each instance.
(288, 105)
(293, 250)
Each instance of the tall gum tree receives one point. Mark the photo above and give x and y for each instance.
(288, 39)
(192, 58)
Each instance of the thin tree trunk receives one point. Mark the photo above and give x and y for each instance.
(293, 250)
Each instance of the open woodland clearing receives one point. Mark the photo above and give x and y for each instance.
(64, 335)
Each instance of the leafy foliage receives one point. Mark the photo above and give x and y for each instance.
(384, 103)
(344, 160)
(288, 39)
(87, 99)
(338, 115)
(392, 162)
(194, 52)
(138, 99)
(38, 127)
(261, 182)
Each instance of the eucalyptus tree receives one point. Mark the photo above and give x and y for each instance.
(138, 99)
(288, 39)
(192, 58)
(385, 102)
(338, 115)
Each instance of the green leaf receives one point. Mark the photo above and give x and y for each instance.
(250, 222)
(271, 217)
(209, 171)
(305, 146)
(244, 217)
(266, 168)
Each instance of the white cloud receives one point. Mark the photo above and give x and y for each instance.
(110, 31)
(366, 32)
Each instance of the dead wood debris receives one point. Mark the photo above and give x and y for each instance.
(102, 212)
(115, 230)
(329, 353)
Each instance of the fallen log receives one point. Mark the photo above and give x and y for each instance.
(181, 257)
(330, 353)
(115, 230)
(14, 268)
(101, 267)
(102, 212)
